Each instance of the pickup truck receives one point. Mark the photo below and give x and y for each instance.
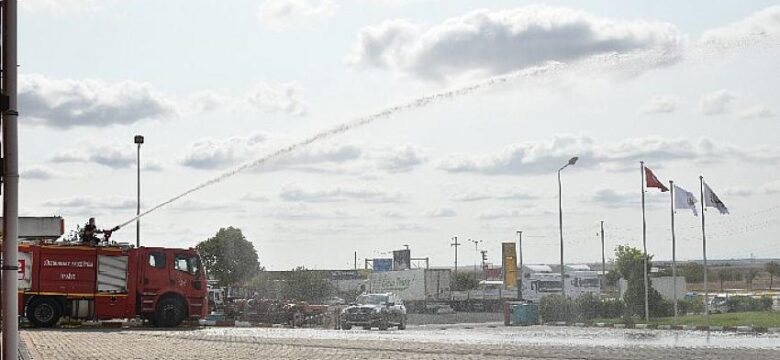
(383, 310)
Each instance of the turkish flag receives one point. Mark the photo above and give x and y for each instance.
(652, 181)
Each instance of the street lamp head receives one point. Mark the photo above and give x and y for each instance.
(573, 160)
(139, 139)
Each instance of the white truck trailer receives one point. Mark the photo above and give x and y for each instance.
(418, 288)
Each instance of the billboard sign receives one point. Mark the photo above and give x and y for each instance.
(402, 260)
(509, 264)
(382, 265)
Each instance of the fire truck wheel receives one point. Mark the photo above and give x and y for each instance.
(43, 312)
(169, 313)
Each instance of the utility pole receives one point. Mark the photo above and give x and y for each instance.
(603, 257)
(456, 244)
(355, 260)
(10, 298)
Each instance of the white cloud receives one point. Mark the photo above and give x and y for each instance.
(65, 5)
(738, 191)
(496, 42)
(304, 212)
(506, 213)
(772, 187)
(283, 14)
(660, 104)
(39, 173)
(540, 157)
(757, 26)
(401, 159)
(756, 112)
(716, 103)
(207, 101)
(68, 103)
(281, 99)
(254, 197)
(490, 193)
(612, 198)
(213, 154)
(110, 155)
(87, 203)
(440, 213)
(297, 193)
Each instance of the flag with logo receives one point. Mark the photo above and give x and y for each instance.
(712, 200)
(652, 181)
(684, 199)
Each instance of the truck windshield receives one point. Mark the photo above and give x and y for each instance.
(372, 299)
(549, 286)
(187, 263)
(590, 283)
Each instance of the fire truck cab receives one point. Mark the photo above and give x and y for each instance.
(163, 285)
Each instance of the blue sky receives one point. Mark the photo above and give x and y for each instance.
(688, 87)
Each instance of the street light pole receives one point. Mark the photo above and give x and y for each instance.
(476, 252)
(138, 140)
(572, 161)
(455, 244)
(520, 257)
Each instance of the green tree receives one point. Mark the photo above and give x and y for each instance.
(629, 263)
(306, 285)
(693, 272)
(229, 257)
(751, 275)
(728, 275)
(612, 277)
(773, 268)
(462, 281)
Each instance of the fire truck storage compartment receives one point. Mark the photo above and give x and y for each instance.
(70, 271)
(82, 309)
(112, 274)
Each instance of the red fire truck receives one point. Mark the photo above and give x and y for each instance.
(165, 286)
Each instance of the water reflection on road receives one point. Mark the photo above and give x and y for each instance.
(500, 335)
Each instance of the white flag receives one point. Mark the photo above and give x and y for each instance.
(712, 200)
(683, 199)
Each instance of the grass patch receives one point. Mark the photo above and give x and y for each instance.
(768, 319)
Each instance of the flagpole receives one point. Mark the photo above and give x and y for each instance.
(674, 252)
(704, 253)
(644, 242)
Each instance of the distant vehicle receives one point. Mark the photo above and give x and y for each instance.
(488, 296)
(383, 310)
(718, 304)
(334, 300)
(216, 297)
(578, 282)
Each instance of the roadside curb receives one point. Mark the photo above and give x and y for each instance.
(737, 329)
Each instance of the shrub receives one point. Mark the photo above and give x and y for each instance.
(747, 303)
(611, 308)
(587, 307)
(692, 306)
(556, 308)
(663, 308)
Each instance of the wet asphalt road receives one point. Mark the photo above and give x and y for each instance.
(459, 341)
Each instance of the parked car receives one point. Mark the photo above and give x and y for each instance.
(383, 310)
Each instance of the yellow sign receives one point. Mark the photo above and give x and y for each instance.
(509, 264)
